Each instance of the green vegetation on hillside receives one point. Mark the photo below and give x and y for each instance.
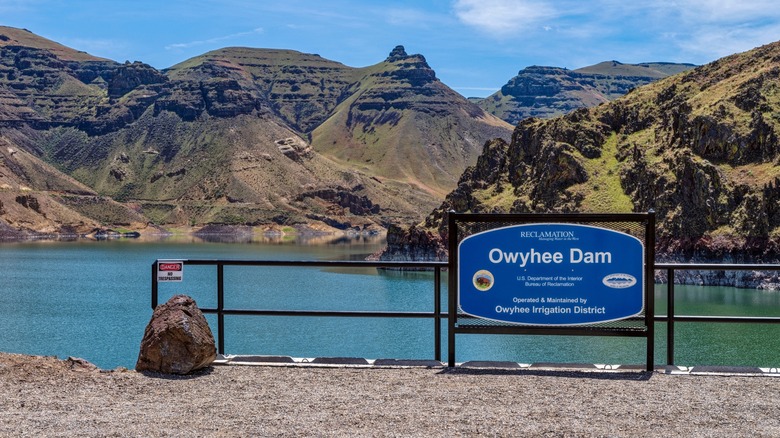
(603, 192)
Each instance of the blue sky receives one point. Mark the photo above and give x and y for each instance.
(475, 46)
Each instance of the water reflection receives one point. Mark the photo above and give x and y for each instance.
(227, 238)
(275, 239)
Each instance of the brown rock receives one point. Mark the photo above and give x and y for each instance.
(79, 364)
(177, 340)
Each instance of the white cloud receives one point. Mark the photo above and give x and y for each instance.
(725, 11)
(716, 42)
(717, 28)
(576, 32)
(503, 18)
(212, 40)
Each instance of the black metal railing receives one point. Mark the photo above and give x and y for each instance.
(436, 314)
(671, 318)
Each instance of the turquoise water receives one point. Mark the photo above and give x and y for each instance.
(92, 300)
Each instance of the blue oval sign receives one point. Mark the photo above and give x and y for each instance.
(551, 274)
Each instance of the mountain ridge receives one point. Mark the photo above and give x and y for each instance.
(10, 36)
(225, 138)
(541, 91)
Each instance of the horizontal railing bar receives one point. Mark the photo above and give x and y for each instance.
(317, 263)
(564, 217)
(388, 314)
(521, 330)
(439, 264)
(728, 319)
(344, 313)
(717, 266)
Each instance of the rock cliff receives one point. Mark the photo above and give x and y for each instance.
(545, 92)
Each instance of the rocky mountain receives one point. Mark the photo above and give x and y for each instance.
(394, 120)
(700, 148)
(44, 85)
(553, 91)
(400, 122)
(237, 136)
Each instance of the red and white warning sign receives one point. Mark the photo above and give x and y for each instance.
(170, 270)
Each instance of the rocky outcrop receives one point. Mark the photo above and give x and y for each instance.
(29, 201)
(95, 96)
(413, 70)
(177, 340)
(413, 244)
(181, 98)
(9, 233)
(544, 92)
(386, 98)
(130, 76)
(300, 88)
(294, 148)
(344, 198)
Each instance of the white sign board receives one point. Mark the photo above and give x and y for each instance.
(170, 270)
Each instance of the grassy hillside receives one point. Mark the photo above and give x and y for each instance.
(401, 123)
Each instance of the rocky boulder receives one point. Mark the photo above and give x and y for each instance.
(177, 340)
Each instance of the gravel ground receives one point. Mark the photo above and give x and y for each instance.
(44, 396)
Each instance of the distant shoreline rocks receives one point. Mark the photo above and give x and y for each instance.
(209, 233)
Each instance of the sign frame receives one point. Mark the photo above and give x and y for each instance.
(463, 226)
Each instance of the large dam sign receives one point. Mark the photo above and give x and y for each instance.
(574, 274)
(551, 274)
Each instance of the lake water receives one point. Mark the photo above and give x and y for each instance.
(92, 300)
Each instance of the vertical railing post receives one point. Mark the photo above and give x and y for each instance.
(437, 313)
(452, 285)
(221, 308)
(670, 316)
(650, 289)
(154, 285)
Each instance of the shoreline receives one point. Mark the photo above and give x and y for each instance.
(227, 234)
(45, 396)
